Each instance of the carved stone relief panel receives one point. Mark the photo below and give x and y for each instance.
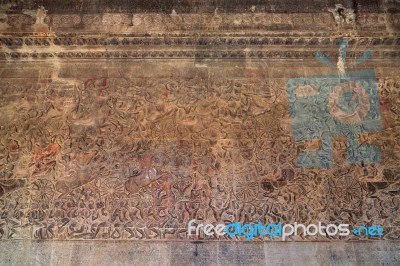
(136, 156)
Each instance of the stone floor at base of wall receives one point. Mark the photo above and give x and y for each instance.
(187, 253)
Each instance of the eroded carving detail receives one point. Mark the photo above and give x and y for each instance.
(134, 158)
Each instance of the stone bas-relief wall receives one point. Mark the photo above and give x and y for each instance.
(128, 124)
(134, 150)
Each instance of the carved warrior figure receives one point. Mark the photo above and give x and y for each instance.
(40, 25)
(41, 14)
(143, 178)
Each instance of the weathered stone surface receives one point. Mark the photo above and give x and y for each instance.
(211, 253)
(129, 154)
(124, 120)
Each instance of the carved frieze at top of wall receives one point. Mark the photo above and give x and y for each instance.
(253, 33)
(152, 23)
(205, 6)
(83, 40)
(81, 46)
(204, 54)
